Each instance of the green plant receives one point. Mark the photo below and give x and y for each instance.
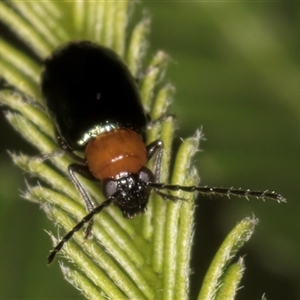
(144, 258)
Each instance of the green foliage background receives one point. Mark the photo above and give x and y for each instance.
(236, 71)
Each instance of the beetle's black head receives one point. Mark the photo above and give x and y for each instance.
(132, 192)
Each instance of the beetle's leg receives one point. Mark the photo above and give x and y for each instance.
(156, 148)
(83, 171)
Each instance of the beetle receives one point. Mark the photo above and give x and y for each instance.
(94, 101)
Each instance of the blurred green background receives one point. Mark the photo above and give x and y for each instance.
(235, 66)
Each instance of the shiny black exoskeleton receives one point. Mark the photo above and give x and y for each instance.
(87, 85)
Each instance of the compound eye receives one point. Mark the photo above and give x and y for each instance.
(109, 187)
(146, 175)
